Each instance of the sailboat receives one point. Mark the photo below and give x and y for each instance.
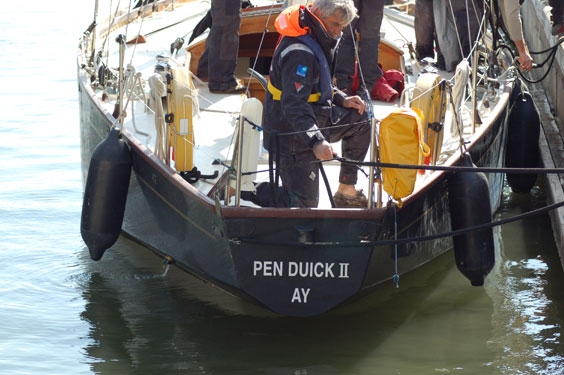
(172, 165)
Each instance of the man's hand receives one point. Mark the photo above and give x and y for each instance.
(355, 102)
(323, 151)
(526, 62)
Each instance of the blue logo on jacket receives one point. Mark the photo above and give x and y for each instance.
(302, 70)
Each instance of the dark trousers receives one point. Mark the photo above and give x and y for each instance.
(219, 59)
(371, 13)
(467, 17)
(300, 171)
(424, 25)
(557, 11)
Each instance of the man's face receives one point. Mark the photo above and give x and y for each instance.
(334, 25)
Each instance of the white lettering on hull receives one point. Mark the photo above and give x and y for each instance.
(270, 268)
(300, 295)
(310, 269)
(303, 270)
(344, 270)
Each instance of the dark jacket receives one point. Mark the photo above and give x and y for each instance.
(297, 75)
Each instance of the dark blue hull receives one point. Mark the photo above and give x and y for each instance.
(291, 262)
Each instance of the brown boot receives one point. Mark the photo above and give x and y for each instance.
(349, 201)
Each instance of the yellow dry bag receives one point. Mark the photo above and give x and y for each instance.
(401, 142)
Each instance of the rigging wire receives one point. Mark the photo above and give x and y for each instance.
(138, 33)
(505, 170)
(396, 273)
(265, 31)
(455, 168)
(111, 21)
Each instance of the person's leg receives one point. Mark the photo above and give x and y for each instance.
(202, 71)
(369, 24)
(355, 140)
(345, 59)
(557, 17)
(467, 18)
(300, 178)
(300, 172)
(222, 45)
(424, 25)
(557, 10)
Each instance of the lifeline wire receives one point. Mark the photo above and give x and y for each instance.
(396, 274)
(412, 239)
(452, 168)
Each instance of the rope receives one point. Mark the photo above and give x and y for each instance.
(434, 167)
(327, 186)
(138, 33)
(456, 26)
(460, 79)
(453, 168)
(396, 274)
(468, 15)
(395, 241)
(274, 179)
(550, 59)
(157, 91)
(260, 46)
(445, 168)
(134, 86)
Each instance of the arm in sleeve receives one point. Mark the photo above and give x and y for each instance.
(299, 70)
(510, 12)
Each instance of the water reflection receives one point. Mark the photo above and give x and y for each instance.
(434, 323)
(143, 321)
(527, 320)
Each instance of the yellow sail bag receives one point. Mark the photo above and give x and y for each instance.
(401, 142)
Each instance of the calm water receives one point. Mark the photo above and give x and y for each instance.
(61, 313)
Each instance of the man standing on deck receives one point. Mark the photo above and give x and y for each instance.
(511, 17)
(367, 25)
(304, 112)
(219, 59)
(557, 16)
(457, 24)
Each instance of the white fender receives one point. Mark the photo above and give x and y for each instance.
(252, 111)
